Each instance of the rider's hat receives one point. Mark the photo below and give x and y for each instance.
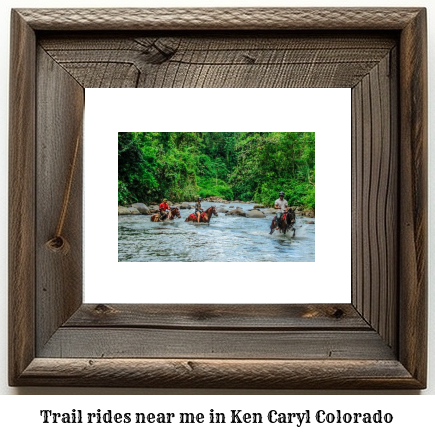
(164, 199)
(281, 193)
(199, 198)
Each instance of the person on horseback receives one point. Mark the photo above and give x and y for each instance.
(198, 208)
(163, 210)
(282, 205)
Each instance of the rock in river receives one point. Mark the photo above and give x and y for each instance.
(308, 213)
(237, 212)
(122, 210)
(255, 214)
(133, 210)
(142, 208)
(269, 211)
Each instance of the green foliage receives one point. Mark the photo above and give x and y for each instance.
(246, 166)
(123, 193)
(211, 187)
(271, 162)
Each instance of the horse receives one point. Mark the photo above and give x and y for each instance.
(174, 212)
(287, 222)
(205, 216)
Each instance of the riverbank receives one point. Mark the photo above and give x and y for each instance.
(231, 210)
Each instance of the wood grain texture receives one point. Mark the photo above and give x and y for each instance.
(128, 342)
(21, 197)
(378, 342)
(228, 374)
(220, 18)
(235, 60)
(59, 277)
(392, 299)
(356, 200)
(413, 197)
(388, 300)
(268, 317)
(375, 198)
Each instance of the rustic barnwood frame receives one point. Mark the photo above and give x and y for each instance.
(377, 341)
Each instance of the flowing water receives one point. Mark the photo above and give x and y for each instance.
(225, 239)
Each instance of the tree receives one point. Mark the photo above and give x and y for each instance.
(247, 166)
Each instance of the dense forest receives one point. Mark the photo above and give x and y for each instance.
(244, 166)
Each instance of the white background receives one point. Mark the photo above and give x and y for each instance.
(21, 412)
(324, 111)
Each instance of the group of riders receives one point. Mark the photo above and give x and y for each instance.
(164, 209)
(281, 205)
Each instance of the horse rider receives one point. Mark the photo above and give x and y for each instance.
(281, 204)
(198, 208)
(163, 210)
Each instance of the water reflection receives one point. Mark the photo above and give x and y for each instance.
(226, 239)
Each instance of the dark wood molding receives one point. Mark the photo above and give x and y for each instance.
(22, 138)
(376, 342)
(220, 19)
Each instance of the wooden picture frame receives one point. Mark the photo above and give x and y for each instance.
(376, 342)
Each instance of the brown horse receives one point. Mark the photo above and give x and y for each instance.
(174, 212)
(205, 216)
(287, 222)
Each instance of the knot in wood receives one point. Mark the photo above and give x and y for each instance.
(158, 51)
(58, 244)
(338, 313)
(103, 309)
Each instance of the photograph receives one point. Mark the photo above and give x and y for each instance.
(216, 196)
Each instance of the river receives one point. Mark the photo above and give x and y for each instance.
(225, 239)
